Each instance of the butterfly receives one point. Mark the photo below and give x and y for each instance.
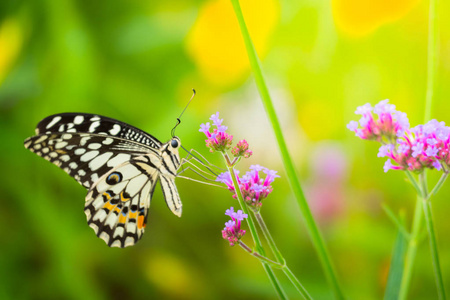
(117, 163)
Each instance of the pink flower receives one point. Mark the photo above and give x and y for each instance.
(412, 149)
(232, 231)
(424, 146)
(386, 125)
(253, 187)
(241, 149)
(218, 140)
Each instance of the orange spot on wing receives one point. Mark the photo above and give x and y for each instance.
(133, 215)
(108, 206)
(141, 223)
(107, 195)
(122, 219)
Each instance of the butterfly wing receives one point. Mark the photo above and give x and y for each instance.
(117, 205)
(171, 194)
(85, 156)
(95, 124)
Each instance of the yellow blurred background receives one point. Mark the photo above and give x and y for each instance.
(137, 61)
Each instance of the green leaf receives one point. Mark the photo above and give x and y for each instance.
(396, 268)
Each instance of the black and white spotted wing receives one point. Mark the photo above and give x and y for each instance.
(95, 124)
(119, 165)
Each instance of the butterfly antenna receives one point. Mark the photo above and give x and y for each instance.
(179, 118)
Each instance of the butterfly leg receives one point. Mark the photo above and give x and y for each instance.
(196, 169)
(205, 162)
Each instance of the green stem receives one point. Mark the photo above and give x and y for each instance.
(438, 184)
(254, 233)
(426, 205)
(259, 256)
(287, 161)
(431, 58)
(269, 238)
(296, 283)
(396, 221)
(411, 251)
(433, 248)
(274, 280)
(413, 182)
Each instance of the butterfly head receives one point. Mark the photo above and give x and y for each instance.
(174, 143)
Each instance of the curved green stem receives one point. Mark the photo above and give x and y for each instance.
(280, 257)
(274, 280)
(438, 184)
(433, 248)
(426, 205)
(423, 203)
(311, 225)
(296, 283)
(396, 221)
(259, 256)
(269, 238)
(411, 250)
(413, 182)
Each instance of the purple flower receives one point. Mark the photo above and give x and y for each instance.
(387, 165)
(218, 139)
(230, 224)
(271, 175)
(230, 212)
(432, 142)
(256, 168)
(222, 128)
(437, 165)
(382, 123)
(204, 128)
(240, 216)
(413, 149)
(403, 148)
(215, 118)
(232, 231)
(443, 133)
(226, 178)
(361, 110)
(417, 149)
(431, 151)
(254, 189)
(353, 125)
(383, 107)
(385, 150)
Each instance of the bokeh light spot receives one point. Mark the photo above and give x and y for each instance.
(360, 17)
(215, 42)
(11, 38)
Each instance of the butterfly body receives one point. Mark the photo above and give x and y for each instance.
(117, 163)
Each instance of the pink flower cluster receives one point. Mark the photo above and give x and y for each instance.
(218, 140)
(232, 231)
(241, 149)
(387, 124)
(253, 187)
(424, 146)
(412, 149)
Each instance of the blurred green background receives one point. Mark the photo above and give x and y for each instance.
(137, 61)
